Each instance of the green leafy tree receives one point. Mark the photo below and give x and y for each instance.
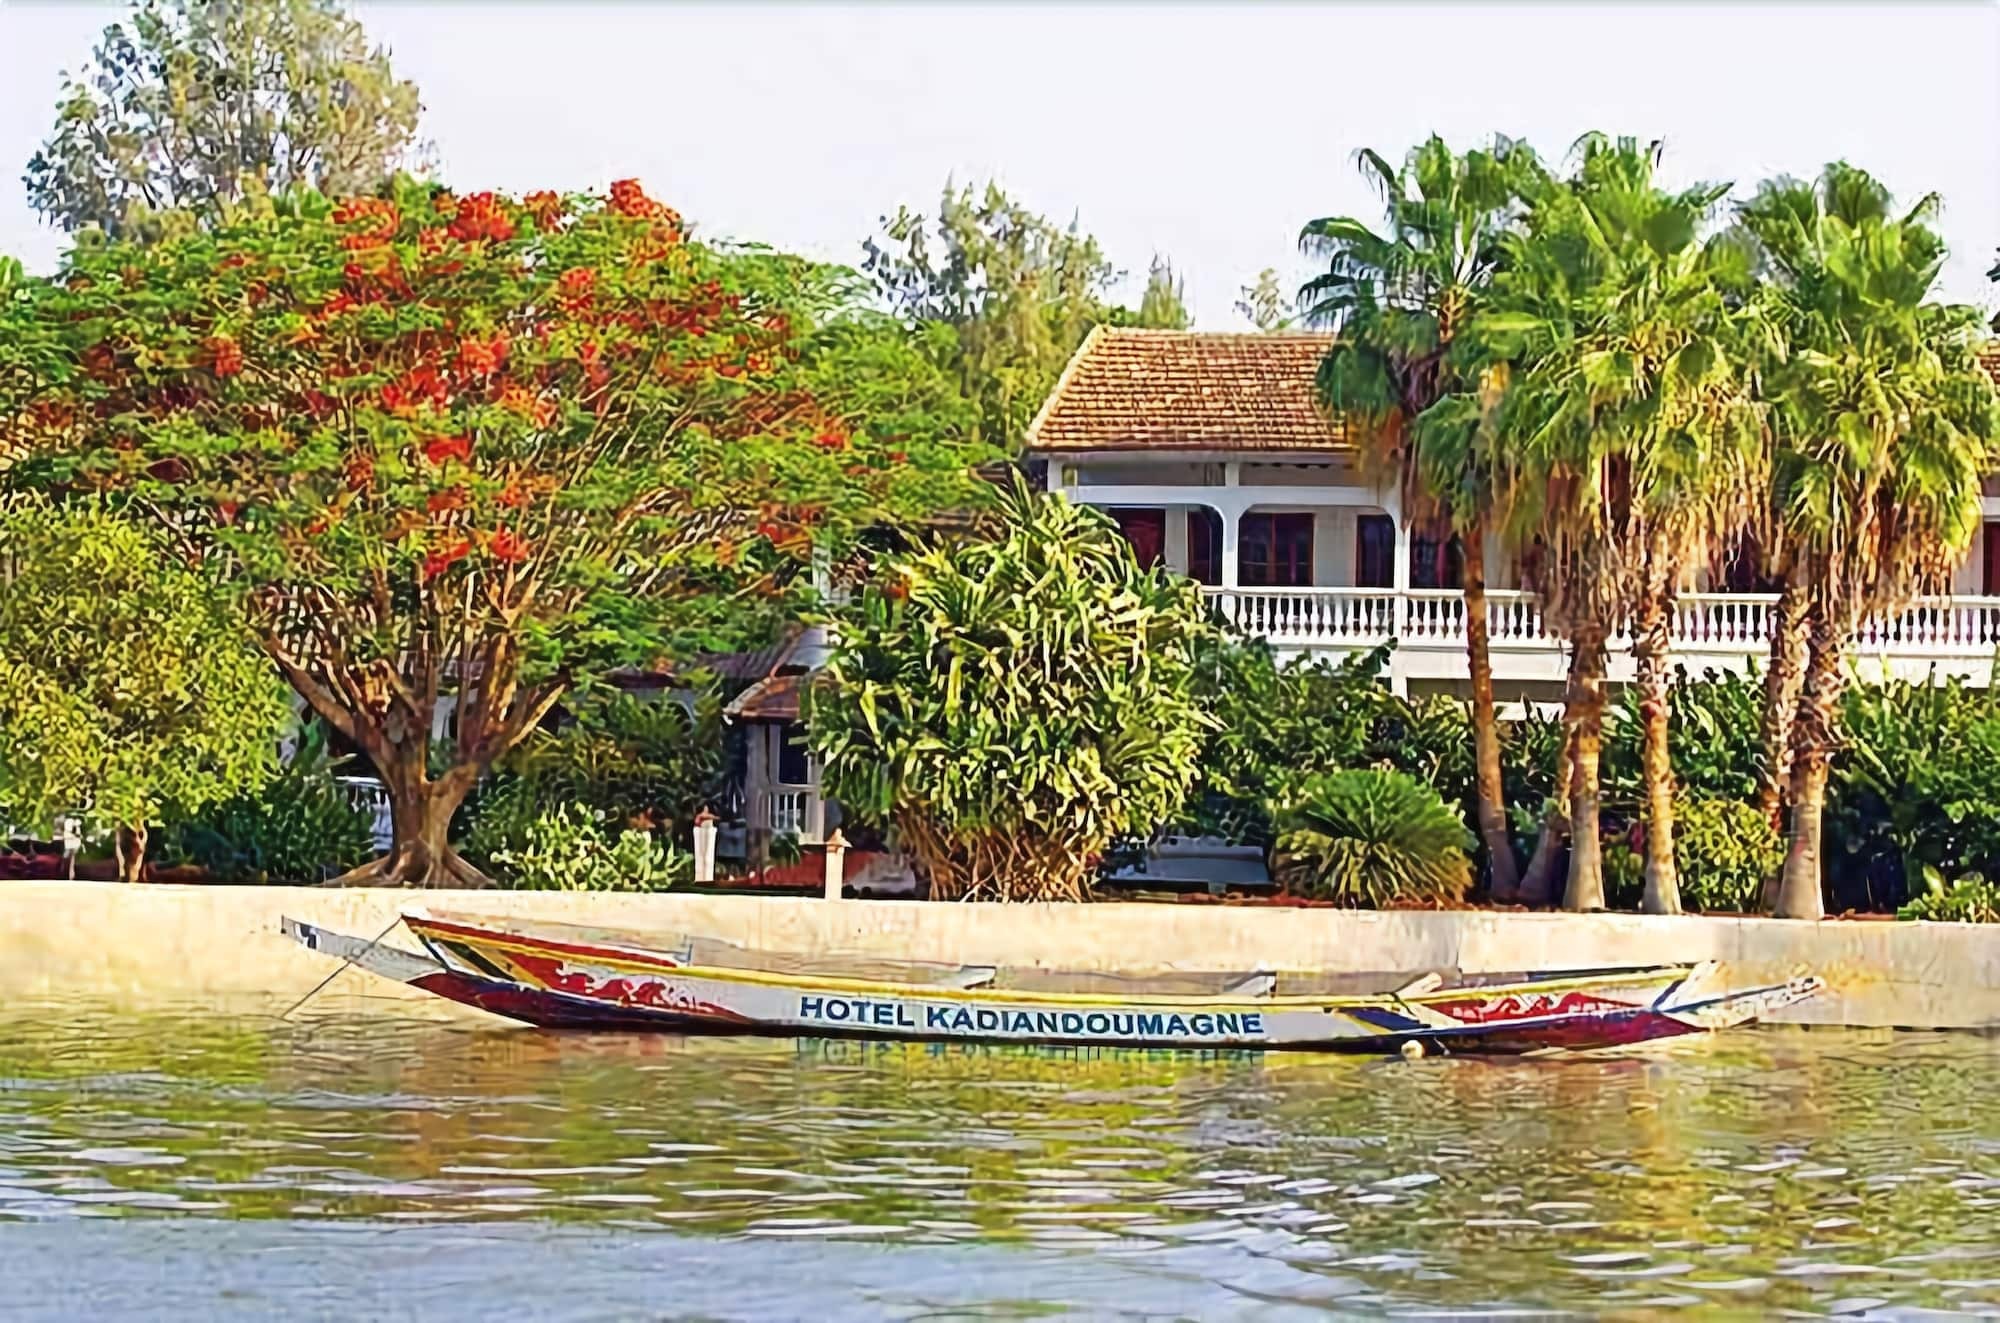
(1011, 705)
(1634, 438)
(191, 105)
(1017, 292)
(1371, 837)
(128, 691)
(478, 448)
(1264, 305)
(1163, 304)
(1885, 425)
(1398, 297)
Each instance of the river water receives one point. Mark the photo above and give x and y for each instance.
(193, 1165)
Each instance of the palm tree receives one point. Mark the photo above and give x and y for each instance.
(1636, 435)
(1885, 426)
(1398, 298)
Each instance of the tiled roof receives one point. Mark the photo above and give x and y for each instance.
(1133, 389)
(773, 698)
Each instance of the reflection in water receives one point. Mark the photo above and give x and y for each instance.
(1758, 1171)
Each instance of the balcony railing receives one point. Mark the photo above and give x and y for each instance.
(795, 812)
(1717, 623)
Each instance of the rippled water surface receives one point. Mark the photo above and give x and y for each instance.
(222, 1167)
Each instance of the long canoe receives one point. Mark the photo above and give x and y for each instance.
(560, 977)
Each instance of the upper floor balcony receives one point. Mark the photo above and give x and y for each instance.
(1711, 631)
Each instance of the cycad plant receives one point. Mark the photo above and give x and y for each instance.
(1370, 837)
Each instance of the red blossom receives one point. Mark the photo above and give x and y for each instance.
(545, 207)
(505, 546)
(431, 240)
(628, 199)
(830, 440)
(482, 358)
(419, 386)
(360, 471)
(518, 399)
(451, 498)
(226, 511)
(480, 217)
(441, 448)
(375, 221)
(225, 356)
(444, 558)
(513, 496)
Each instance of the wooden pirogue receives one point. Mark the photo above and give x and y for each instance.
(563, 977)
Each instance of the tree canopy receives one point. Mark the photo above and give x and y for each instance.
(190, 105)
(1016, 291)
(476, 447)
(128, 690)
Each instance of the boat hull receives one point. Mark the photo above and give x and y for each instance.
(566, 984)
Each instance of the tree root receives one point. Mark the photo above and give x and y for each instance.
(415, 866)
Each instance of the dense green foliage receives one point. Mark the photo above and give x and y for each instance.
(1011, 704)
(191, 105)
(485, 448)
(1015, 292)
(1371, 837)
(1970, 899)
(568, 847)
(647, 763)
(129, 692)
(300, 827)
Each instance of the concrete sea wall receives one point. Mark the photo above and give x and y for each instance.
(174, 944)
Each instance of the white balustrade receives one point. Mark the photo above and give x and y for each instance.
(367, 795)
(1713, 624)
(799, 813)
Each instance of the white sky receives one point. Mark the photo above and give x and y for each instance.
(1205, 134)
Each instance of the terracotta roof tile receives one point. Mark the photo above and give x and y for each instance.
(1132, 389)
(773, 698)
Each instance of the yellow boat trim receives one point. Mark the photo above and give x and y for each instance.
(928, 992)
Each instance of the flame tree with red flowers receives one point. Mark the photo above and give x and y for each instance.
(475, 448)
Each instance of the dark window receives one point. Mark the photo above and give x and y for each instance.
(1146, 530)
(1436, 563)
(1204, 537)
(792, 768)
(1277, 550)
(1991, 549)
(1374, 551)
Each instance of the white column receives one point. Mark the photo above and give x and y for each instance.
(1229, 516)
(1176, 549)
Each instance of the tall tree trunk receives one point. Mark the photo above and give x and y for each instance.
(1490, 800)
(420, 811)
(129, 844)
(1800, 893)
(1789, 639)
(1650, 641)
(1585, 702)
(1538, 884)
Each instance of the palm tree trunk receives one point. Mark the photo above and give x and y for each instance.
(1781, 697)
(1490, 803)
(1800, 895)
(1650, 640)
(1538, 884)
(129, 848)
(1585, 702)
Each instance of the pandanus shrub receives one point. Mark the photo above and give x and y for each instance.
(1370, 837)
(1008, 705)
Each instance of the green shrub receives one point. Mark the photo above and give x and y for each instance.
(1970, 899)
(1010, 705)
(1914, 791)
(299, 828)
(1370, 837)
(1725, 849)
(566, 848)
